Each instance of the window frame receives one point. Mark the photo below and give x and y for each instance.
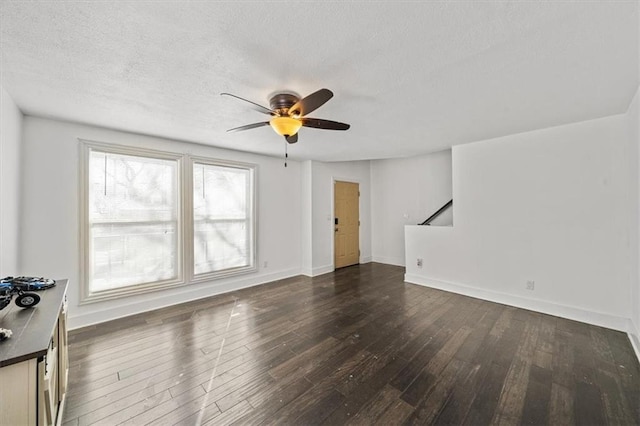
(252, 198)
(184, 230)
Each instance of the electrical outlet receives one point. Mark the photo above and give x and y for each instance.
(265, 264)
(419, 262)
(531, 285)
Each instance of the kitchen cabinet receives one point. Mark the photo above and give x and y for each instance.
(34, 361)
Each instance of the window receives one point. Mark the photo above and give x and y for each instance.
(222, 218)
(140, 231)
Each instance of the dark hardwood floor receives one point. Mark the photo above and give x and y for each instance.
(358, 346)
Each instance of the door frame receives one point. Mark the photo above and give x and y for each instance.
(335, 179)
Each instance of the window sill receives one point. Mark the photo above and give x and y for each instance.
(147, 288)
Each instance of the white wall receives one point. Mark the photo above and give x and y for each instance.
(10, 166)
(406, 191)
(50, 231)
(306, 198)
(633, 117)
(322, 177)
(549, 206)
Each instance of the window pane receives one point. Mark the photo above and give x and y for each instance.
(129, 188)
(222, 218)
(132, 220)
(219, 192)
(220, 245)
(125, 255)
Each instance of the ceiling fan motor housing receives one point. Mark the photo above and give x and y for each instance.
(282, 101)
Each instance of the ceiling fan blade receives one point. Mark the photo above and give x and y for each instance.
(248, 126)
(310, 103)
(318, 123)
(255, 106)
(292, 139)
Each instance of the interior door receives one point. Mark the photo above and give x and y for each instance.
(346, 245)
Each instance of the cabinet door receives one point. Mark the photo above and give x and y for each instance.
(48, 387)
(18, 389)
(63, 354)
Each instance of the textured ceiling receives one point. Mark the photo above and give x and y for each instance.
(409, 77)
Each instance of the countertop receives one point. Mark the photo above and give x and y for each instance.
(33, 327)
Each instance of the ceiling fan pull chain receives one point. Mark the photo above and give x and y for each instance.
(286, 155)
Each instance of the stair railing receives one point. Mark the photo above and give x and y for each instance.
(438, 213)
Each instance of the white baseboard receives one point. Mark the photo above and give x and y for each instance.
(396, 261)
(634, 335)
(320, 270)
(563, 311)
(185, 294)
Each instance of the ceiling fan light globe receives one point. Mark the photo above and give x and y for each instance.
(285, 126)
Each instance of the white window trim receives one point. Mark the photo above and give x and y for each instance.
(185, 265)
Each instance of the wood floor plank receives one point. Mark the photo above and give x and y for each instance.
(385, 408)
(122, 410)
(442, 331)
(266, 404)
(318, 401)
(161, 368)
(204, 406)
(561, 406)
(615, 405)
(513, 394)
(588, 404)
(434, 370)
(306, 361)
(160, 410)
(173, 411)
(316, 412)
(356, 397)
(538, 394)
(495, 357)
(461, 394)
(562, 361)
(484, 404)
(436, 394)
(355, 346)
(229, 417)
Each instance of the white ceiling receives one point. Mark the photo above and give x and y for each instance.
(409, 77)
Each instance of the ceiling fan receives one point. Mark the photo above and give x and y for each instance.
(288, 113)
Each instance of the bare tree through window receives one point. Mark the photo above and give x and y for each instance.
(221, 218)
(143, 229)
(133, 220)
